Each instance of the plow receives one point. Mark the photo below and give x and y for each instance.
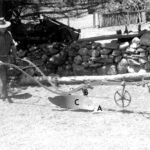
(70, 99)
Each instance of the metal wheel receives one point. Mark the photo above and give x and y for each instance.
(122, 98)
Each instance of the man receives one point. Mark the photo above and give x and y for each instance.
(7, 46)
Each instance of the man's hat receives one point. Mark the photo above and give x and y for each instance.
(4, 23)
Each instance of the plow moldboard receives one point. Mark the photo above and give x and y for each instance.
(73, 102)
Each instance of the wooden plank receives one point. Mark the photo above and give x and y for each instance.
(94, 20)
(96, 80)
(143, 16)
(106, 78)
(113, 36)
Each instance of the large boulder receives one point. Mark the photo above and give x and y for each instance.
(133, 69)
(134, 45)
(133, 62)
(72, 52)
(85, 64)
(44, 58)
(96, 45)
(51, 68)
(78, 60)
(21, 53)
(59, 58)
(104, 56)
(124, 45)
(147, 66)
(87, 72)
(136, 40)
(130, 50)
(148, 49)
(78, 69)
(112, 45)
(105, 51)
(106, 60)
(83, 51)
(116, 53)
(118, 59)
(101, 70)
(140, 50)
(85, 58)
(111, 70)
(148, 58)
(145, 39)
(75, 46)
(107, 70)
(94, 53)
(122, 66)
(73, 49)
(51, 50)
(142, 60)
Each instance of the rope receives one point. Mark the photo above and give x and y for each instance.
(53, 85)
(59, 92)
(43, 75)
(45, 87)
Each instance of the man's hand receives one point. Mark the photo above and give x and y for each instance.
(14, 50)
(1, 62)
(11, 59)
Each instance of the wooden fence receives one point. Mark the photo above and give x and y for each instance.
(119, 18)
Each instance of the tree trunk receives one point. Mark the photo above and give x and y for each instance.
(5, 7)
(1, 8)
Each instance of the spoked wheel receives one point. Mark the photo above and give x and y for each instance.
(122, 98)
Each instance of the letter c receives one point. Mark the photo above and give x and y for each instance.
(76, 101)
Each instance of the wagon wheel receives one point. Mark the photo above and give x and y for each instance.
(122, 98)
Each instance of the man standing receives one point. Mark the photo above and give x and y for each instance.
(7, 46)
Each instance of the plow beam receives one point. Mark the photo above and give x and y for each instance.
(107, 79)
(113, 36)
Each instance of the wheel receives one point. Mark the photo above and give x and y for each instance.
(122, 99)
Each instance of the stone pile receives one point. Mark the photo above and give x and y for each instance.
(108, 59)
(91, 58)
(46, 56)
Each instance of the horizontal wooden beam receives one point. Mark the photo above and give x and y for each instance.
(113, 36)
(94, 80)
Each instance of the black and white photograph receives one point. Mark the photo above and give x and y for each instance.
(74, 74)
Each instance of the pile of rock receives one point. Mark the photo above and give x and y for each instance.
(137, 54)
(88, 58)
(91, 58)
(112, 58)
(46, 56)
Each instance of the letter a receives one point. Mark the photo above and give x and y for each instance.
(99, 108)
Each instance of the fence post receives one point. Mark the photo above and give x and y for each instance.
(1, 8)
(68, 21)
(128, 20)
(94, 19)
(143, 16)
(100, 20)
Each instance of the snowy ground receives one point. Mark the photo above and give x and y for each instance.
(33, 123)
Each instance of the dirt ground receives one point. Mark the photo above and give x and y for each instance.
(33, 123)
